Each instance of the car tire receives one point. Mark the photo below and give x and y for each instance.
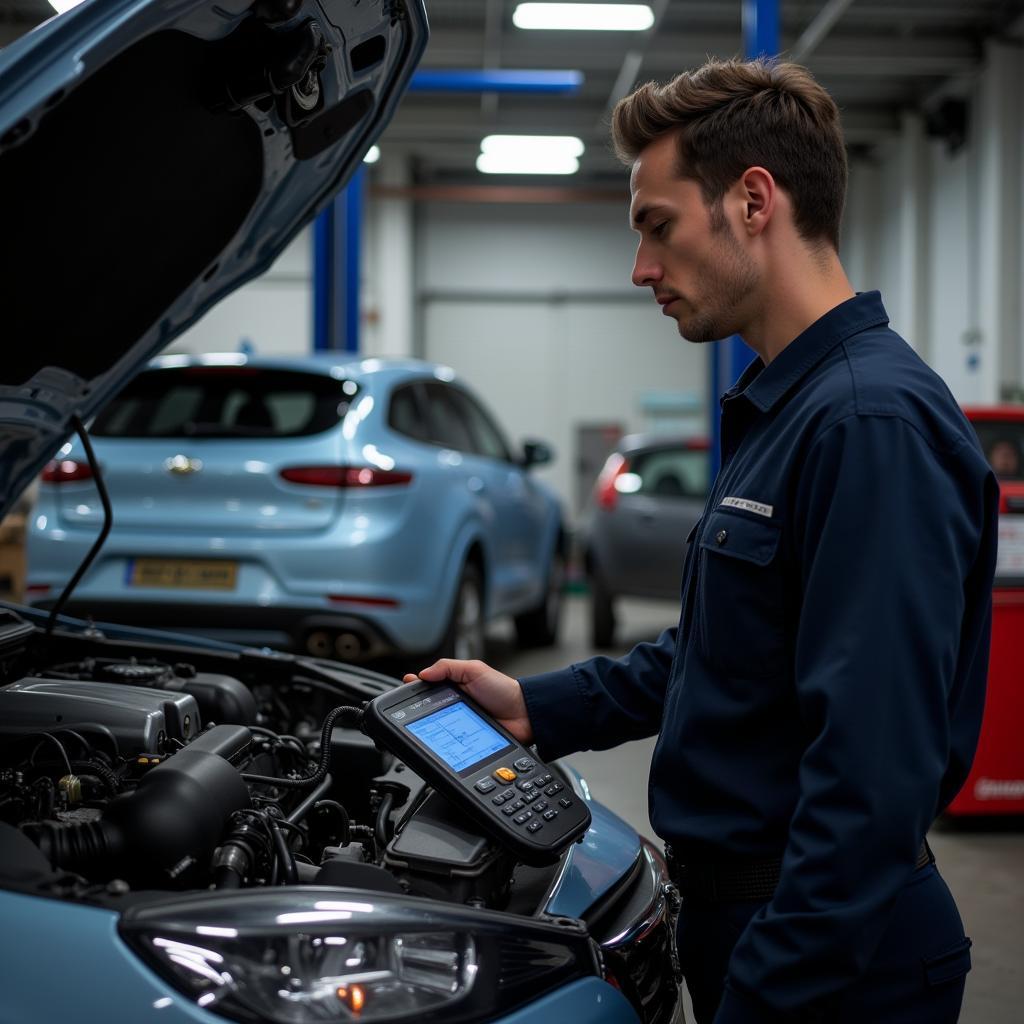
(538, 627)
(465, 637)
(602, 613)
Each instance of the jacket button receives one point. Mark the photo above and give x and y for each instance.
(721, 537)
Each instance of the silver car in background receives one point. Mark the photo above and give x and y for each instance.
(648, 496)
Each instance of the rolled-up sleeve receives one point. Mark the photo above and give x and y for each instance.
(597, 704)
(887, 534)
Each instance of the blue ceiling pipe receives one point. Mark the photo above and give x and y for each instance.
(338, 229)
(497, 80)
(730, 358)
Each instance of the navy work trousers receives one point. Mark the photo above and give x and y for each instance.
(917, 975)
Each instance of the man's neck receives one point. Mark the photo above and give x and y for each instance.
(797, 294)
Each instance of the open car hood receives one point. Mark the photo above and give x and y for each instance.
(154, 156)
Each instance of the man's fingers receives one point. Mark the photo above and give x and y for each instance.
(456, 671)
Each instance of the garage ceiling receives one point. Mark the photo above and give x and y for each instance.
(877, 57)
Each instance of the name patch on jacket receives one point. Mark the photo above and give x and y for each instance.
(750, 506)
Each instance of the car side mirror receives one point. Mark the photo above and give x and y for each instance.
(536, 453)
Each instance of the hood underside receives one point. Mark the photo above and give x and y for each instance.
(155, 155)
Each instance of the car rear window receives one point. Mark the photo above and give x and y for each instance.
(1002, 441)
(670, 472)
(226, 402)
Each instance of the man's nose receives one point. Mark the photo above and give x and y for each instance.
(646, 271)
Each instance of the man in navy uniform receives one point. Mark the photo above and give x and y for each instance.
(819, 703)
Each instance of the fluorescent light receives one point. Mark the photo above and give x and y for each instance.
(60, 6)
(509, 163)
(529, 154)
(590, 17)
(372, 155)
(534, 145)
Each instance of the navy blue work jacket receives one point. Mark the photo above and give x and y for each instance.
(822, 695)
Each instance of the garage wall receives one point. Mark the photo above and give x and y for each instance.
(534, 307)
(271, 315)
(940, 233)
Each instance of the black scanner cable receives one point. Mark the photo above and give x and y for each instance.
(108, 522)
(325, 754)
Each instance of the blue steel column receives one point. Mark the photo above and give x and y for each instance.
(730, 357)
(337, 250)
(323, 245)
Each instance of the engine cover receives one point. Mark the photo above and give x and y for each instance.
(142, 720)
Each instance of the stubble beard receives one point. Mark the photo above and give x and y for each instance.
(722, 286)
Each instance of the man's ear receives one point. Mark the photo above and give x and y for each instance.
(759, 196)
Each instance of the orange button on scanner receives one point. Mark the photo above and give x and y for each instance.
(505, 774)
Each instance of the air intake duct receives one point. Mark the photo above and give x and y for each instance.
(168, 827)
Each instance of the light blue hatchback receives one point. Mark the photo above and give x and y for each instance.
(348, 509)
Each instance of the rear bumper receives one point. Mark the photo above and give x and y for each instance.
(316, 631)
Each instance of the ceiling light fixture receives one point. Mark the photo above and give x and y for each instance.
(530, 154)
(372, 155)
(586, 17)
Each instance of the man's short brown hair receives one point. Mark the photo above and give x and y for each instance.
(731, 115)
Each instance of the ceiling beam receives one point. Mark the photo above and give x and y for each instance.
(818, 29)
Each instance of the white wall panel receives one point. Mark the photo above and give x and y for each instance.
(547, 368)
(273, 313)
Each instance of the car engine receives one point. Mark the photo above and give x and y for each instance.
(130, 772)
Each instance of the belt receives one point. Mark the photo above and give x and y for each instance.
(737, 881)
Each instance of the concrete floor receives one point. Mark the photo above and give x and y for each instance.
(984, 866)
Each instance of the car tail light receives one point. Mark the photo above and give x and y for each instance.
(605, 490)
(345, 476)
(66, 471)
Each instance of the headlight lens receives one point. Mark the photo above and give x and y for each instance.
(297, 956)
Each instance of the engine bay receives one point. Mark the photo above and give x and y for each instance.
(130, 766)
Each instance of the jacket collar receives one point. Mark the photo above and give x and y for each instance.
(764, 386)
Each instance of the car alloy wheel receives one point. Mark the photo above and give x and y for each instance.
(466, 635)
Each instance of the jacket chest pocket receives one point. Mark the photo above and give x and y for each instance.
(740, 613)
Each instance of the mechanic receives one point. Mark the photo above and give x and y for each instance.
(819, 703)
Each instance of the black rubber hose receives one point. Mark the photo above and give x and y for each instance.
(284, 855)
(380, 828)
(346, 821)
(325, 755)
(102, 772)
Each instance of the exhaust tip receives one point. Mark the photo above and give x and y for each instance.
(348, 646)
(319, 644)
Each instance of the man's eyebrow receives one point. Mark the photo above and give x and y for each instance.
(642, 214)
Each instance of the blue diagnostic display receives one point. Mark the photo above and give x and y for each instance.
(458, 736)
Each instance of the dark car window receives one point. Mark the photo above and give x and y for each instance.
(670, 473)
(1002, 441)
(447, 425)
(219, 401)
(487, 439)
(405, 413)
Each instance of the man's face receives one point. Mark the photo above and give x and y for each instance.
(688, 254)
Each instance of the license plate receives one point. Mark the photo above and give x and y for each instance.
(182, 574)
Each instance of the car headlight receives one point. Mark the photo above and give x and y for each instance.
(297, 956)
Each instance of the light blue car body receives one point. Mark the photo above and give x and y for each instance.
(397, 551)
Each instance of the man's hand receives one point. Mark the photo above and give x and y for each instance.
(498, 694)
